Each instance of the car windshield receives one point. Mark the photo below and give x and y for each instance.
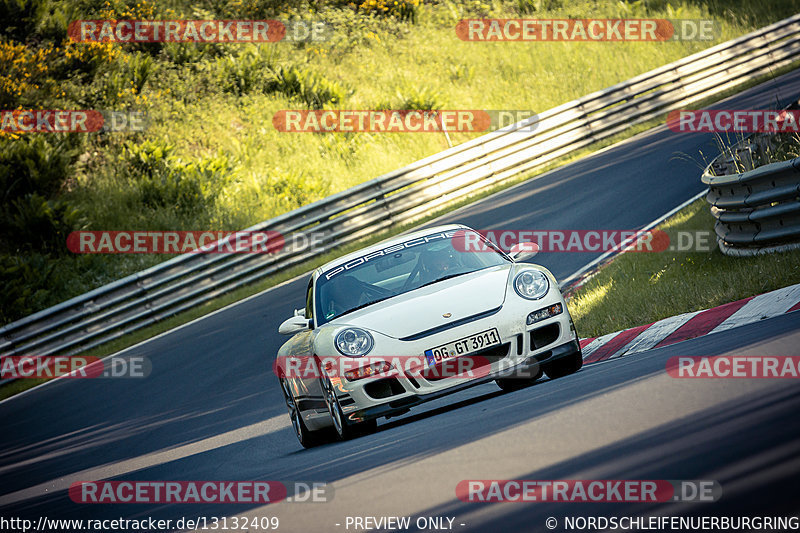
(400, 268)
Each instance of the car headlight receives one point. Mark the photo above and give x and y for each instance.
(353, 342)
(531, 284)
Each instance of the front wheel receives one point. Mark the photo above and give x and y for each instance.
(343, 430)
(564, 366)
(307, 438)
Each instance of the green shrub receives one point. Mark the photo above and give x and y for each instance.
(258, 9)
(19, 18)
(164, 181)
(294, 188)
(528, 7)
(425, 98)
(355, 30)
(149, 158)
(244, 72)
(33, 169)
(120, 81)
(184, 54)
(24, 77)
(32, 222)
(313, 89)
(139, 68)
(36, 164)
(405, 10)
(345, 147)
(23, 279)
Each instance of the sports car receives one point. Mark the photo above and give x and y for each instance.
(414, 318)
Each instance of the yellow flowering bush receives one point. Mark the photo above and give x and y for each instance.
(23, 72)
(402, 9)
(120, 9)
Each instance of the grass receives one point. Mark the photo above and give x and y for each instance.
(640, 288)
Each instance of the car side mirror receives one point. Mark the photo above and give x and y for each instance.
(293, 325)
(523, 251)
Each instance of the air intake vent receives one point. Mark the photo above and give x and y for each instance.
(541, 337)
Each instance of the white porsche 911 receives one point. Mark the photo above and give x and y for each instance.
(414, 318)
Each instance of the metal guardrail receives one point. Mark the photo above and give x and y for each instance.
(402, 196)
(757, 211)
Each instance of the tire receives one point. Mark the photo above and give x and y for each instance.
(343, 430)
(512, 384)
(564, 366)
(306, 437)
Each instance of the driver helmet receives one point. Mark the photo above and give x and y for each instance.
(438, 262)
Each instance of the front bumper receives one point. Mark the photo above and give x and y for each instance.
(523, 348)
(526, 368)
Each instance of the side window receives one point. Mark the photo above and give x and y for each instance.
(310, 298)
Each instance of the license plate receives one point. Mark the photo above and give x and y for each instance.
(464, 346)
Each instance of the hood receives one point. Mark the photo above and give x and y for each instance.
(422, 309)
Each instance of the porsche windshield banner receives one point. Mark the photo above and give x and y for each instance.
(358, 261)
